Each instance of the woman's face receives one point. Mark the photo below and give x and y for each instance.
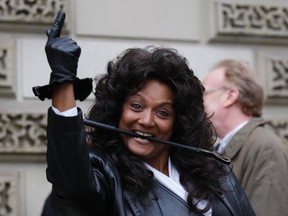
(149, 112)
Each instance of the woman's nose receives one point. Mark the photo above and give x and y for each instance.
(147, 119)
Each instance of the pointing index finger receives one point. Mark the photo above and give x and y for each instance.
(55, 31)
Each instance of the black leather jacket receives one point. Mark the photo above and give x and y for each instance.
(86, 183)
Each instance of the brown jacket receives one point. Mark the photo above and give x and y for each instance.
(260, 161)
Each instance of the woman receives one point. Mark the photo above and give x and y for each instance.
(151, 92)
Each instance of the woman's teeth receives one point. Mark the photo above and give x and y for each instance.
(144, 134)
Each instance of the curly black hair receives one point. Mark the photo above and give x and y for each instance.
(128, 73)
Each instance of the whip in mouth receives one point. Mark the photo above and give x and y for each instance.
(152, 138)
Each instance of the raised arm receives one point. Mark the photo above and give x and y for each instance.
(69, 167)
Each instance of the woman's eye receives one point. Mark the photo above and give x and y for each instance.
(136, 106)
(163, 113)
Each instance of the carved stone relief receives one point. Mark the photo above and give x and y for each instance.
(272, 69)
(278, 77)
(22, 133)
(7, 67)
(249, 21)
(8, 193)
(21, 12)
(281, 127)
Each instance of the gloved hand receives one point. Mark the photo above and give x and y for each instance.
(62, 55)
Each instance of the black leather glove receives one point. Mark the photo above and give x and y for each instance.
(62, 55)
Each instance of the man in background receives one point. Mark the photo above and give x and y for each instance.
(234, 101)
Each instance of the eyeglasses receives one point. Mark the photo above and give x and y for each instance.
(206, 92)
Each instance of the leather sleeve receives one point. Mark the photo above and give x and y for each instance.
(77, 189)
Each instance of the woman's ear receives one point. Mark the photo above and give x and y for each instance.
(232, 96)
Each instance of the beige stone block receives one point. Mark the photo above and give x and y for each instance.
(161, 19)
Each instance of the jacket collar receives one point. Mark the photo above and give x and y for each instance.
(158, 203)
(238, 140)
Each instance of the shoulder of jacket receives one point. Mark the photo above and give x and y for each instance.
(233, 196)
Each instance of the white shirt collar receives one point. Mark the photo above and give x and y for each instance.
(172, 182)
